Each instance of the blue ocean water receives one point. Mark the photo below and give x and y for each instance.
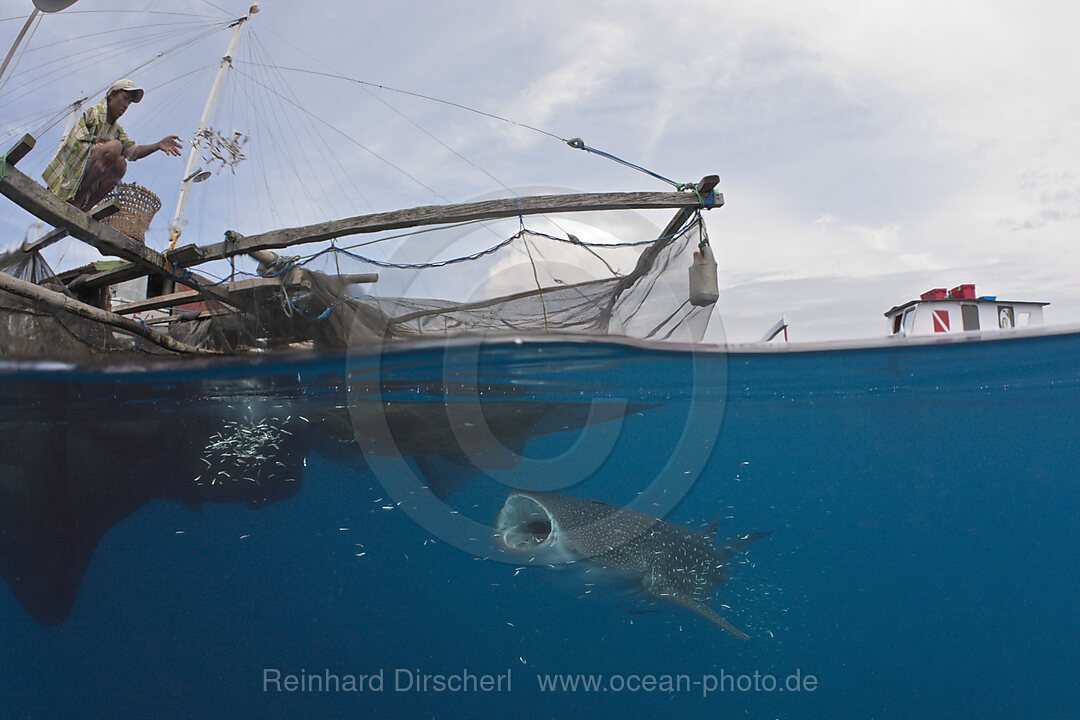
(921, 501)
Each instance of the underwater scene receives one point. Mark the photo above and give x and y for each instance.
(546, 528)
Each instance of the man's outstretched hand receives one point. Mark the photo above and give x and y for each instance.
(170, 145)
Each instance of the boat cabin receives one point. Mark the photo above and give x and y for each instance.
(960, 310)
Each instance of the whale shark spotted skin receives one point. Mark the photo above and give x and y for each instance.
(610, 544)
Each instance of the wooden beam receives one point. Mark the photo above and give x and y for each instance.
(41, 203)
(38, 201)
(59, 301)
(703, 188)
(18, 152)
(185, 316)
(235, 289)
(188, 296)
(58, 234)
(189, 255)
(447, 215)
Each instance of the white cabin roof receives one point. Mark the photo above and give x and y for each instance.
(988, 300)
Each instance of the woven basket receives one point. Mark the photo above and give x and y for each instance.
(137, 208)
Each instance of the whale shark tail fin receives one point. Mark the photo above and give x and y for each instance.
(696, 606)
(733, 546)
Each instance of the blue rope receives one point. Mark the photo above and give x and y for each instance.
(440, 263)
(579, 144)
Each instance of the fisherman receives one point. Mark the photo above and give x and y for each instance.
(94, 155)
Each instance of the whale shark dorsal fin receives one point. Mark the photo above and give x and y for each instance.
(708, 613)
(734, 546)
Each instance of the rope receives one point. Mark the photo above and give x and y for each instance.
(437, 264)
(287, 263)
(579, 144)
(420, 96)
(576, 143)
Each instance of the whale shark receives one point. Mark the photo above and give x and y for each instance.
(621, 548)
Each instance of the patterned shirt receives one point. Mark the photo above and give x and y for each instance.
(66, 170)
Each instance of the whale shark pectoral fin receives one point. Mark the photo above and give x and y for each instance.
(708, 613)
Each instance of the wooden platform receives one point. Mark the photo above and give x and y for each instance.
(244, 295)
(239, 294)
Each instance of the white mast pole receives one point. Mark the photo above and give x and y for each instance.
(76, 109)
(15, 45)
(47, 6)
(204, 122)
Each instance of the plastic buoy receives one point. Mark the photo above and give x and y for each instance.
(704, 289)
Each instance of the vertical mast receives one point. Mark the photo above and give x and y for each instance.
(204, 122)
(76, 108)
(15, 45)
(40, 6)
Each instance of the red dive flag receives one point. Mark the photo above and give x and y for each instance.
(941, 321)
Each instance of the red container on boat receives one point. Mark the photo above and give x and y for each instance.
(963, 292)
(935, 294)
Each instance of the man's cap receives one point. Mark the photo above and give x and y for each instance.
(129, 85)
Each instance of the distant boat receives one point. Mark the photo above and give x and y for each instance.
(960, 310)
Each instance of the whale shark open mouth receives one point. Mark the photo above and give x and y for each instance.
(524, 524)
(607, 547)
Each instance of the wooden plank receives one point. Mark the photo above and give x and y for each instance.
(43, 204)
(19, 150)
(428, 215)
(187, 296)
(703, 188)
(186, 316)
(58, 234)
(59, 301)
(185, 255)
(234, 289)
(445, 215)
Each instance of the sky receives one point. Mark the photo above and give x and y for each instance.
(867, 151)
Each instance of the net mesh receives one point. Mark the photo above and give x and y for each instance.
(651, 302)
(309, 308)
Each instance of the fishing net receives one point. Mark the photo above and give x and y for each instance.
(28, 266)
(649, 302)
(301, 307)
